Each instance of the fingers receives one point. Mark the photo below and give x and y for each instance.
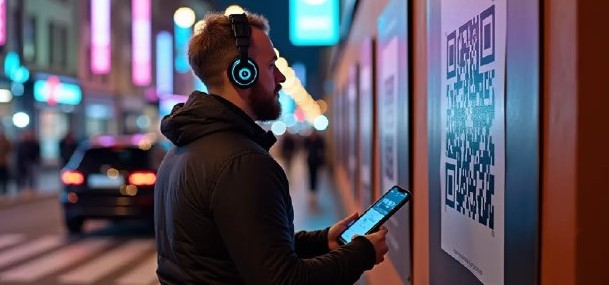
(378, 239)
(350, 218)
(381, 233)
(383, 230)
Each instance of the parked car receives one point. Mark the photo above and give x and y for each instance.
(110, 177)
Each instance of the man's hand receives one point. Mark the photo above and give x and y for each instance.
(378, 239)
(338, 228)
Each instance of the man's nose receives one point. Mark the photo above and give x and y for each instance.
(279, 76)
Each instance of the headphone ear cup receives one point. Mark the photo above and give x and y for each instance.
(243, 74)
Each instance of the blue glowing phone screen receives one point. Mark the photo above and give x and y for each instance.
(375, 214)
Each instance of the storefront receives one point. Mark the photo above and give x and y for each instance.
(56, 111)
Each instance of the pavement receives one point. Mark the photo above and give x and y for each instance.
(47, 186)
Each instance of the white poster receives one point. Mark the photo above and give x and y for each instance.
(472, 159)
(389, 115)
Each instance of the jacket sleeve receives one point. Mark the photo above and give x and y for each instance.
(312, 243)
(253, 212)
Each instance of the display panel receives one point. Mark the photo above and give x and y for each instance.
(522, 165)
(393, 124)
(472, 149)
(367, 128)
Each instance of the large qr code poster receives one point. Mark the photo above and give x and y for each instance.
(472, 160)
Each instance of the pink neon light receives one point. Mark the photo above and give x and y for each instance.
(100, 36)
(2, 22)
(53, 82)
(141, 66)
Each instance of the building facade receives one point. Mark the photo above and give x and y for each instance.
(90, 66)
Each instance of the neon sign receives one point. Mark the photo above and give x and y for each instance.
(2, 22)
(100, 36)
(52, 91)
(164, 63)
(314, 22)
(182, 36)
(140, 45)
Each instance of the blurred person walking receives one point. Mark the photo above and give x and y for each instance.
(5, 154)
(288, 149)
(28, 158)
(223, 211)
(316, 151)
(67, 146)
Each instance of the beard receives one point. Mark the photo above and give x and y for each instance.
(265, 106)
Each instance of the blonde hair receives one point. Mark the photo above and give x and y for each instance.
(213, 47)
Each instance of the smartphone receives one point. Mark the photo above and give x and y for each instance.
(377, 214)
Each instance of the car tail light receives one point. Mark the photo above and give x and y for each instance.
(72, 177)
(142, 178)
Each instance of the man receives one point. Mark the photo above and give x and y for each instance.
(223, 213)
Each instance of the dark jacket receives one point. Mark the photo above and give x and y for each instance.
(223, 212)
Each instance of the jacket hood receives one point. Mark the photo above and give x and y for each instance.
(204, 114)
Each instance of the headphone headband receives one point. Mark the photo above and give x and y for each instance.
(243, 71)
(241, 31)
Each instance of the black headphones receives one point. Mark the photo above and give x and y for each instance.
(242, 71)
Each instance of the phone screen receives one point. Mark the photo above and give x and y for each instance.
(377, 213)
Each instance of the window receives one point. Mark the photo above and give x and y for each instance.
(29, 39)
(121, 157)
(51, 37)
(63, 47)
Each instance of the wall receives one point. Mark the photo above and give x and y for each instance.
(574, 228)
(430, 264)
(365, 25)
(556, 136)
(58, 13)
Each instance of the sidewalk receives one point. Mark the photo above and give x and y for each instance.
(328, 207)
(48, 186)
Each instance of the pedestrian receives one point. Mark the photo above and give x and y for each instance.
(316, 149)
(67, 146)
(5, 154)
(288, 148)
(223, 212)
(28, 158)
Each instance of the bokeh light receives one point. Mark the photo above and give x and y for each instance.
(21, 119)
(184, 17)
(233, 9)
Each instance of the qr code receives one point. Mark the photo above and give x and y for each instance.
(470, 146)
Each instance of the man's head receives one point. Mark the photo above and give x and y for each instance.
(212, 50)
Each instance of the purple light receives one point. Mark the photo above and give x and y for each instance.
(105, 140)
(100, 36)
(2, 22)
(164, 63)
(140, 35)
(166, 103)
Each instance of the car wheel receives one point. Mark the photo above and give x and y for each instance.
(74, 225)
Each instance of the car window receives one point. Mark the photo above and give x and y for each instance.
(122, 158)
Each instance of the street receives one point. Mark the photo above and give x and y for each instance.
(35, 248)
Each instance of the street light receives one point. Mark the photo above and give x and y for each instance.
(184, 17)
